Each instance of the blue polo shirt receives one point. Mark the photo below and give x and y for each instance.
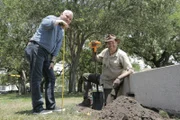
(48, 35)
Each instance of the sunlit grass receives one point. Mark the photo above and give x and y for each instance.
(15, 107)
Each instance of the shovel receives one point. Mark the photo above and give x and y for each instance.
(111, 96)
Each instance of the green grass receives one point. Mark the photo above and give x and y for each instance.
(15, 107)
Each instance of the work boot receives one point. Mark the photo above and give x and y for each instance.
(85, 103)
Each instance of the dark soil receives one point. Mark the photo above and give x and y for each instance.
(123, 108)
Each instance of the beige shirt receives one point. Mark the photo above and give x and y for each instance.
(112, 66)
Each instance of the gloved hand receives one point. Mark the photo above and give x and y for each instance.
(62, 23)
(116, 83)
(93, 43)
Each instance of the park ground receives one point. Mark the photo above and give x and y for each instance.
(18, 107)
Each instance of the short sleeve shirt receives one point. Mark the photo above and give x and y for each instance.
(112, 66)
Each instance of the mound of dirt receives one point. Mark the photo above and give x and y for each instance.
(126, 108)
(122, 108)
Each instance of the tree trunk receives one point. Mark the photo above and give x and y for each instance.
(72, 81)
(75, 43)
(22, 83)
(80, 83)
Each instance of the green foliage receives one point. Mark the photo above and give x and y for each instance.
(148, 29)
(3, 79)
(164, 114)
(6, 79)
(152, 35)
(87, 65)
(136, 67)
(20, 20)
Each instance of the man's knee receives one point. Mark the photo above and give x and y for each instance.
(85, 76)
(94, 78)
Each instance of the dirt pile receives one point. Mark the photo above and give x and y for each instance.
(123, 108)
(126, 108)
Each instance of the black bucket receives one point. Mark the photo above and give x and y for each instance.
(97, 100)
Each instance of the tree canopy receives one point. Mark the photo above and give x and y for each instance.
(148, 29)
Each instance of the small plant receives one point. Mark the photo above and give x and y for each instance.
(164, 114)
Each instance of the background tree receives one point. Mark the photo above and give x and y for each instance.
(86, 26)
(19, 20)
(149, 29)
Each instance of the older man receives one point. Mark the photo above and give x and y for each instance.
(41, 52)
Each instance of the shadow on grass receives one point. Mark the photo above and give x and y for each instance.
(25, 112)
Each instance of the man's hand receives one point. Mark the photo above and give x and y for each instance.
(62, 23)
(51, 65)
(116, 83)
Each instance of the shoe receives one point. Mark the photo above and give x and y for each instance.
(43, 112)
(85, 103)
(56, 109)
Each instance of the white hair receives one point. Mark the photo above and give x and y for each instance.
(68, 11)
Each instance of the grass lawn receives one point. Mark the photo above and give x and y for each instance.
(15, 107)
